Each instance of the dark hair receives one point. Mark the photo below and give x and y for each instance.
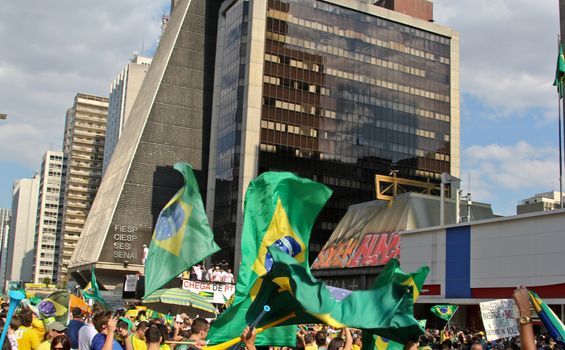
(336, 343)
(61, 339)
(199, 324)
(308, 338)
(143, 325)
(321, 337)
(26, 315)
(15, 322)
(153, 335)
(164, 332)
(101, 319)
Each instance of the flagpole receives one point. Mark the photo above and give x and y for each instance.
(451, 317)
(560, 147)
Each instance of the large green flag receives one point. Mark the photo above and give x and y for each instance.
(560, 71)
(182, 235)
(444, 311)
(280, 210)
(92, 291)
(293, 294)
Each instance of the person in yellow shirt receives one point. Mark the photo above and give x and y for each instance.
(53, 329)
(28, 337)
(138, 336)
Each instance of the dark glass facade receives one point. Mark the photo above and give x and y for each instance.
(346, 95)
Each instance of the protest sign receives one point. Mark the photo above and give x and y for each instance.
(499, 319)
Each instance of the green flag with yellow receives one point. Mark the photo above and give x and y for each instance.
(560, 71)
(182, 235)
(280, 210)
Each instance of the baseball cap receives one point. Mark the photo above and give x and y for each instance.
(55, 326)
(77, 311)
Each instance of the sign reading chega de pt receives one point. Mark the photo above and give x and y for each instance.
(215, 292)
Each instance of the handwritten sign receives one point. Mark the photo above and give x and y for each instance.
(499, 319)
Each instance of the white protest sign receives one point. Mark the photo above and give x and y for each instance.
(499, 319)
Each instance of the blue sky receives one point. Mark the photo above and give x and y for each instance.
(52, 50)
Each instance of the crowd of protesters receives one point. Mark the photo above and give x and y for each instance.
(133, 330)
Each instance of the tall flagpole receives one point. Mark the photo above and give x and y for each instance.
(559, 89)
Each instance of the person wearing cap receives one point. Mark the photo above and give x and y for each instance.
(75, 324)
(52, 330)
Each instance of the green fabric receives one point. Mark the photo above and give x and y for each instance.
(386, 310)
(394, 274)
(92, 291)
(182, 235)
(560, 72)
(280, 208)
(444, 311)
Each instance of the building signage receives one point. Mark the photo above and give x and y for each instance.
(371, 249)
(214, 292)
(499, 319)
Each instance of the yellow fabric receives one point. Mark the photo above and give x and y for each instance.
(311, 347)
(39, 327)
(355, 347)
(165, 347)
(28, 338)
(46, 345)
(137, 343)
(279, 223)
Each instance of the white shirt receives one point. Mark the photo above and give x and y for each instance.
(85, 335)
(216, 276)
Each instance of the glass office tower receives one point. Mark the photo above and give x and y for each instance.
(335, 91)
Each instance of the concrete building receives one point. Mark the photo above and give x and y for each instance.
(485, 260)
(169, 122)
(5, 217)
(336, 91)
(83, 149)
(540, 202)
(123, 91)
(19, 266)
(49, 217)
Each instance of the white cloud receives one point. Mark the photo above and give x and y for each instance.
(51, 51)
(505, 174)
(508, 51)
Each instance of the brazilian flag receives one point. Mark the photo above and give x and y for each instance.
(280, 210)
(182, 235)
(394, 274)
(92, 291)
(444, 311)
(560, 71)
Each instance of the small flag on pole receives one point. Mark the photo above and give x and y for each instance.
(444, 311)
(560, 72)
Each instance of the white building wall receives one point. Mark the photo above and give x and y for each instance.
(22, 230)
(49, 217)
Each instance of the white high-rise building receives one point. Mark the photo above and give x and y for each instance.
(49, 217)
(19, 265)
(123, 92)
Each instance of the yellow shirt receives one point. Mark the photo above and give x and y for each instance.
(46, 345)
(137, 343)
(38, 327)
(311, 347)
(163, 347)
(28, 339)
(355, 347)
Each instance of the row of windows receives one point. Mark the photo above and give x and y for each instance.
(296, 85)
(388, 85)
(351, 34)
(380, 22)
(332, 50)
